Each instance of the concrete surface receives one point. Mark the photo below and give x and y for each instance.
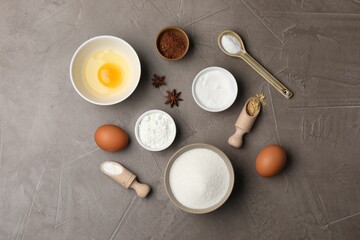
(50, 183)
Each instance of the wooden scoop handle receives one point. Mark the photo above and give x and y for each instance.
(141, 189)
(236, 139)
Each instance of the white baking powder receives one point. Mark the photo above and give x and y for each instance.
(112, 168)
(199, 178)
(156, 130)
(215, 89)
(231, 44)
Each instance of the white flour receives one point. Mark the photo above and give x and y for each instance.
(156, 130)
(231, 44)
(199, 178)
(112, 168)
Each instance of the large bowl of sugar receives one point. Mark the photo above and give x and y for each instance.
(199, 178)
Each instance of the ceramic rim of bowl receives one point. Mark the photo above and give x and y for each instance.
(163, 30)
(186, 149)
(196, 79)
(86, 43)
(137, 130)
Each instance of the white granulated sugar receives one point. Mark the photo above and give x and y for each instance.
(231, 44)
(199, 178)
(215, 90)
(156, 130)
(112, 168)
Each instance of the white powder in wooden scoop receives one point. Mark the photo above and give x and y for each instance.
(199, 178)
(112, 168)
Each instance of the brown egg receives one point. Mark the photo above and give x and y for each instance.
(111, 138)
(270, 161)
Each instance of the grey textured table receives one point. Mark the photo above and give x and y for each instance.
(50, 183)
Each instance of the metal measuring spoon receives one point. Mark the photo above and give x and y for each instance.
(254, 64)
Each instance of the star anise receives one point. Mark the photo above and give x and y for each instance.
(158, 81)
(173, 98)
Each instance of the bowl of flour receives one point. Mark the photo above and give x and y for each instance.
(155, 130)
(199, 178)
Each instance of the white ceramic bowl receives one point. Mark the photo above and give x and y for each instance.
(173, 129)
(94, 44)
(231, 94)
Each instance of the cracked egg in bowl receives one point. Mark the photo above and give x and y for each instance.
(105, 70)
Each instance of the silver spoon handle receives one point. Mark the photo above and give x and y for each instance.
(265, 74)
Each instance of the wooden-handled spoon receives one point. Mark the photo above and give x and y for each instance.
(124, 177)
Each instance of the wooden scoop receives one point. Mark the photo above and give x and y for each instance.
(124, 177)
(243, 125)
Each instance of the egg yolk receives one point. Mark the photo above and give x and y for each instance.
(109, 75)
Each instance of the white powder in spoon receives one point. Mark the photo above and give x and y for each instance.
(199, 178)
(231, 44)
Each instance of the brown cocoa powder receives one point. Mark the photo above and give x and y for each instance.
(172, 44)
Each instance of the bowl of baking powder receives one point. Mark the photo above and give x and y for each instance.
(199, 178)
(155, 130)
